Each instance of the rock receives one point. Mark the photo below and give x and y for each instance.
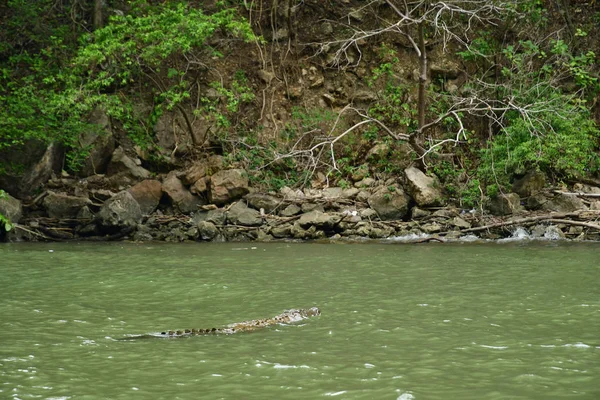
(282, 231)
(424, 189)
(363, 196)
(216, 217)
(148, 194)
(419, 213)
(207, 230)
(119, 212)
(360, 173)
(193, 173)
(537, 201)
(595, 205)
(460, 223)
(308, 207)
(368, 213)
(121, 164)
(367, 182)
(530, 184)
(290, 211)
(583, 188)
(378, 152)
(333, 193)
(227, 186)
(101, 143)
(564, 203)
(11, 208)
(380, 233)
(39, 161)
(431, 228)
(350, 193)
(291, 194)
(298, 232)
(504, 204)
(552, 232)
(266, 76)
(62, 206)
(241, 214)
(181, 198)
(200, 187)
(389, 205)
(320, 220)
(267, 202)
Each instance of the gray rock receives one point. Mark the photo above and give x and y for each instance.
(564, 203)
(267, 202)
(553, 232)
(241, 214)
(350, 193)
(148, 194)
(595, 205)
(333, 193)
(419, 213)
(364, 183)
(200, 187)
(290, 211)
(101, 142)
(308, 207)
(583, 188)
(11, 208)
(281, 231)
(207, 230)
(530, 184)
(460, 223)
(368, 213)
(181, 198)
(504, 204)
(424, 189)
(319, 220)
(120, 211)
(431, 228)
(121, 164)
(389, 205)
(298, 232)
(62, 206)
(227, 186)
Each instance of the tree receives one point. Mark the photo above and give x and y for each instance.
(514, 85)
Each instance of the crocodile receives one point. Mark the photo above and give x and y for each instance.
(285, 317)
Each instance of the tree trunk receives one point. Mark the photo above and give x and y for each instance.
(97, 17)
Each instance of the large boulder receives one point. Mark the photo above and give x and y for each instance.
(101, 143)
(530, 184)
(148, 194)
(241, 214)
(227, 186)
(564, 203)
(424, 189)
(120, 211)
(63, 206)
(319, 219)
(35, 161)
(122, 164)
(11, 208)
(389, 203)
(265, 201)
(504, 204)
(181, 198)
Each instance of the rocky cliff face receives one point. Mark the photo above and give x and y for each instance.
(277, 170)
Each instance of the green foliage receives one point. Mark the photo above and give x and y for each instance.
(4, 221)
(566, 149)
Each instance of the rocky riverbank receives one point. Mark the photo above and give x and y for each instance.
(207, 202)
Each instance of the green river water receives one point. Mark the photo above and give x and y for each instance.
(402, 322)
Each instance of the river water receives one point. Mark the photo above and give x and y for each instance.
(399, 321)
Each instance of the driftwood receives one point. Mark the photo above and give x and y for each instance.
(552, 217)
